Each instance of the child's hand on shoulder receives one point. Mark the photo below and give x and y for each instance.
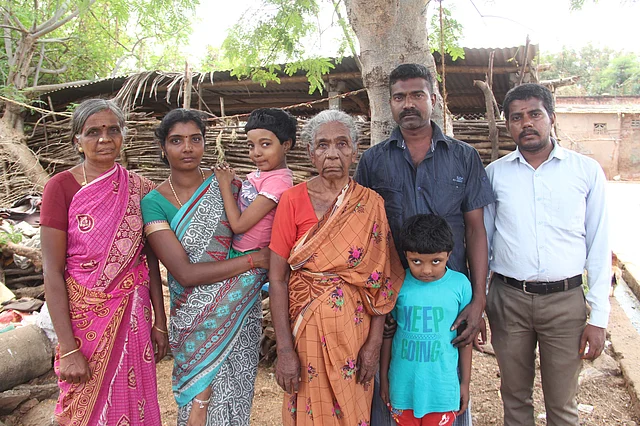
(464, 399)
(224, 174)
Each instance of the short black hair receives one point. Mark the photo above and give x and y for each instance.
(528, 91)
(278, 121)
(178, 115)
(406, 71)
(426, 234)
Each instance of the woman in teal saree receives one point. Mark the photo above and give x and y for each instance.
(215, 312)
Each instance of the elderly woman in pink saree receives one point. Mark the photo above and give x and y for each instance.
(100, 282)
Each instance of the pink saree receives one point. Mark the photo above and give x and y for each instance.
(108, 285)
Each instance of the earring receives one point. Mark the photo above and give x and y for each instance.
(80, 150)
(162, 155)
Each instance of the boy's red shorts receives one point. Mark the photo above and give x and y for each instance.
(406, 418)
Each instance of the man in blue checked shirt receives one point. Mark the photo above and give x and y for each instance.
(421, 170)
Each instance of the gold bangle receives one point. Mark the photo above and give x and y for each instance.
(69, 353)
(161, 330)
(155, 226)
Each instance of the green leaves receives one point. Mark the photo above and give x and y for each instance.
(622, 75)
(576, 4)
(451, 34)
(274, 34)
(10, 236)
(601, 71)
(106, 36)
(315, 68)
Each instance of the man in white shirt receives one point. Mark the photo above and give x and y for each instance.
(548, 224)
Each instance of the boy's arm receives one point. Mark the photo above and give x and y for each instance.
(464, 362)
(385, 361)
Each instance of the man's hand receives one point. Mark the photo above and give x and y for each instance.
(472, 316)
(594, 337)
(368, 359)
(481, 339)
(288, 370)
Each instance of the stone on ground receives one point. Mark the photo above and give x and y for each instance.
(41, 414)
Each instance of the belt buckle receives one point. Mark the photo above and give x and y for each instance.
(524, 289)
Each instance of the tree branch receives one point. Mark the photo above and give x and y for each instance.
(7, 43)
(58, 71)
(345, 31)
(33, 254)
(35, 15)
(121, 59)
(35, 78)
(131, 53)
(560, 82)
(59, 13)
(54, 40)
(16, 21)
(108, 32)
(10, 27)
(61, 22)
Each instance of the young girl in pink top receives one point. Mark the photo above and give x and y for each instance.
(271, 133)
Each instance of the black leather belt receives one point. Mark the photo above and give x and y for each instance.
(534, 287)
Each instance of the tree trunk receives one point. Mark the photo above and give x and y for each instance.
(12, 139)
(13, 148)
(390, 33)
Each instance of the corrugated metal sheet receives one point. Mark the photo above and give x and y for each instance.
(463, 96)
(243, 96)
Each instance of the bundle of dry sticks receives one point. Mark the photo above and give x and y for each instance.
(51, 141)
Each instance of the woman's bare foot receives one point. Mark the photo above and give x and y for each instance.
(199, 407)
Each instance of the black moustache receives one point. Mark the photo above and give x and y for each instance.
(532, 132)
(409, 112)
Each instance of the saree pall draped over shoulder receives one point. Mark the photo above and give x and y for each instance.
(214, 329)
(107, 281)
(344, 270)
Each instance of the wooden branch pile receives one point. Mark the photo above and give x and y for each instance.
(22, 275)
(51, 141)
(476, 133)
(140, 152)
(23, 282)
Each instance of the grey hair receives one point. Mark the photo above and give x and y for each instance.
(93, 106)
(309, 131)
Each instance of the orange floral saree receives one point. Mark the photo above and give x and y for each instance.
(344, 270)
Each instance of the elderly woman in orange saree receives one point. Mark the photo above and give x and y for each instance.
(334, 274)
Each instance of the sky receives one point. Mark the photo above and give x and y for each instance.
(487, 23)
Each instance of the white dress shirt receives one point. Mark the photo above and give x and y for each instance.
(550, 223)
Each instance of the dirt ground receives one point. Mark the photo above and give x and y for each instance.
(606, 393)
(602, 390)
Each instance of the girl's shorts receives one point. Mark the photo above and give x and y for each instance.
(406, 418)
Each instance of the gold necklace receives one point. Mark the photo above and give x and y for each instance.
(174, 191)
(84, 175)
